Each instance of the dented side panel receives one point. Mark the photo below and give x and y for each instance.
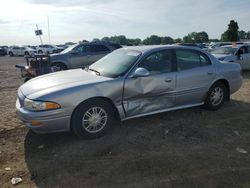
(148, 94)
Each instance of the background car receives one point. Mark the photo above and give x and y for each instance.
(189, 44)
(47, 49)
(20, 51)
(127, 83)
(214, 45)
(82, 54)
(3, 51)
(62, 46)
(239, 54)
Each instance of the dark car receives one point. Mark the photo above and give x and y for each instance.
(3, 51)
(81, 55)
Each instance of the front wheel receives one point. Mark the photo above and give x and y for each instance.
(216, 96)
(92, 119)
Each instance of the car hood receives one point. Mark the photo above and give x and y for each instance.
(62, 80)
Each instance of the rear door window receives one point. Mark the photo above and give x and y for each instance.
(187, 59)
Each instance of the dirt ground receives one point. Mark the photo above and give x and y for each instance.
(184, 148)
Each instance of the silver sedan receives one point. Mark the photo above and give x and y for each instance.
(128, 83)
(239, 54)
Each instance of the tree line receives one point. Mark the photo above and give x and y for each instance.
(232, 34)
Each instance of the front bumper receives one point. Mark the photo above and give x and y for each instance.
(51, 121)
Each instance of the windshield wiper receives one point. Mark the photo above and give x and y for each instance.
(97, 72)
(86, 68)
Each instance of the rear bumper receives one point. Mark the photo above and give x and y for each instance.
(49, 121)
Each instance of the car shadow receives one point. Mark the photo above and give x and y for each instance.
(135, 151)
(246, 74)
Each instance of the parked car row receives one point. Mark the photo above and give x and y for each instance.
(213, 45)
(20, 51)
(239, 54)
(71, 56)
(30, 50)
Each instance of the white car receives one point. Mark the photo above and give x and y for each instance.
(21, 51)
(239, 54)
(47, 49)
(216, 45)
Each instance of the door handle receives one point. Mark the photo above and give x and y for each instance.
(168, 80)
(210, 72)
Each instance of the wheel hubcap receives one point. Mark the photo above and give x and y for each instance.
(216, 96)
(94, 119)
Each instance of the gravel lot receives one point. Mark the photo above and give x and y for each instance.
(184, 148)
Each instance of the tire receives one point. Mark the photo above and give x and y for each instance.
(59, 66)
(93, 126)
(40, 51)
(27, 53)
(11, 54)
(216, 96)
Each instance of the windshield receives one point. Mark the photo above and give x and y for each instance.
(224, 50)
(68, 49)
(116, 63)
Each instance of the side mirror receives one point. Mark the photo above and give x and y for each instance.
(140, 72)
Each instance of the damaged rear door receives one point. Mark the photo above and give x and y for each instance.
(145, 95)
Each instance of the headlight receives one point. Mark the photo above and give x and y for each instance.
(40, 105)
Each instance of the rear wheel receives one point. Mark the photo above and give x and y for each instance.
(11, 54)
(27, 53)
(216, 96)
(92, 119)
(40, 51)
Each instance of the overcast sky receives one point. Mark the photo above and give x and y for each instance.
(75, 20)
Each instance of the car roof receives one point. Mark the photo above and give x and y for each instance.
(148, 48)
(237, 46)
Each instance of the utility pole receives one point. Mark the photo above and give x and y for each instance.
(48, 30)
